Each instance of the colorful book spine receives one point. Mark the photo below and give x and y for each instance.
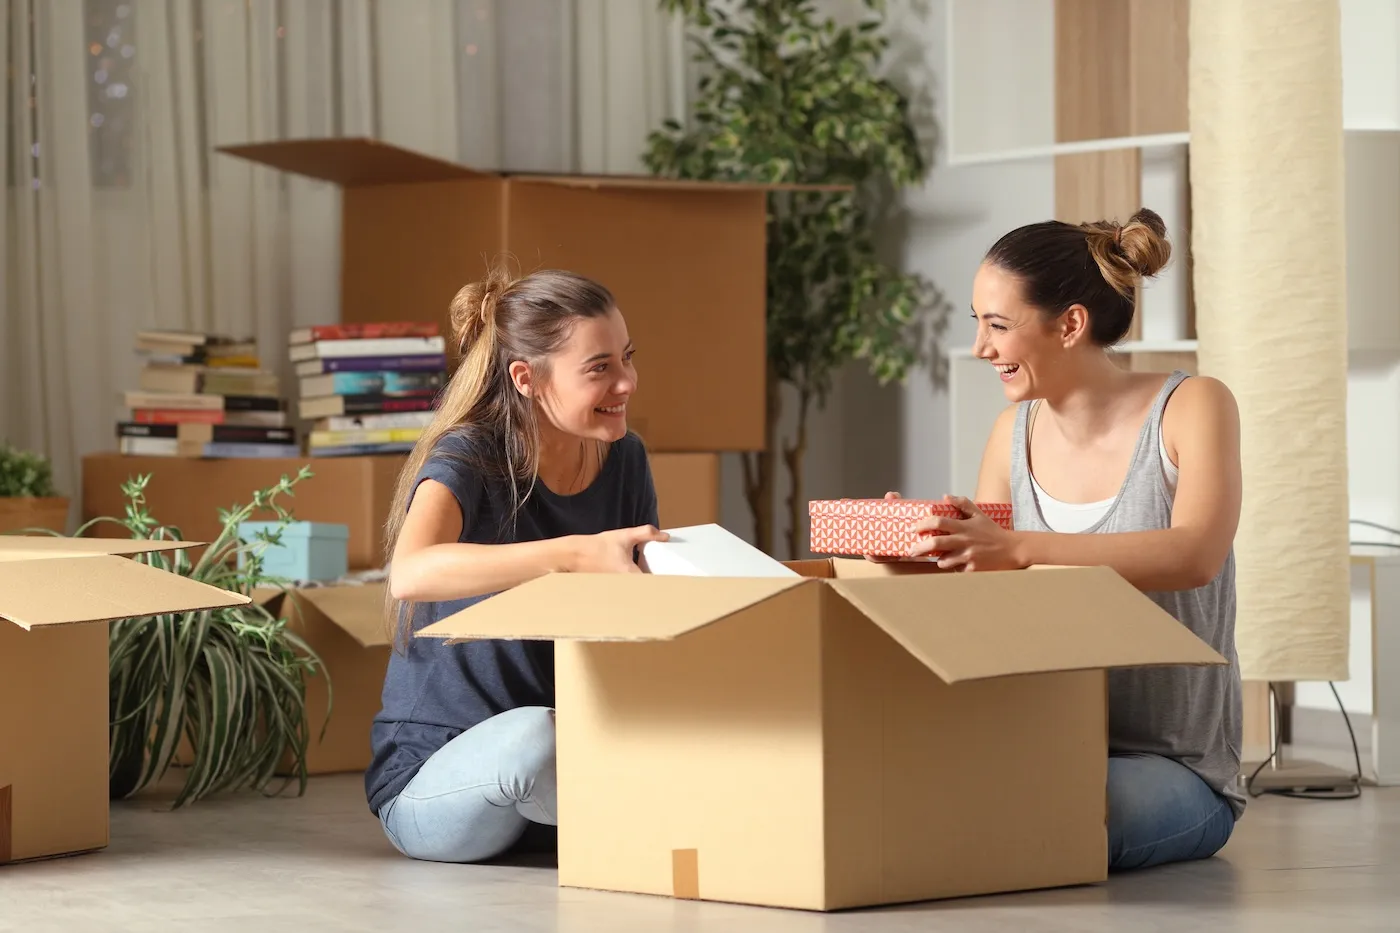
(373, 346)
(371, 383)
(362, 450)
(234, 450)
(423, 362)
(366, 331)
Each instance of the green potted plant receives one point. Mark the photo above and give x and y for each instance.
(28, 499)
(788, 96)
(227, 684)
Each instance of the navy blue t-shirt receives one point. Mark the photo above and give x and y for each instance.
(434, 691)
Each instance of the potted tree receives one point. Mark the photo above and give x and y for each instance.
(787, 96)
(28, 499)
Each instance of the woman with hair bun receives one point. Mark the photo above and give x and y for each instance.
(1132, 470)
(527, 468)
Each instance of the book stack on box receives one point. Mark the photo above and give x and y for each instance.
(204, 395)
(367, 388)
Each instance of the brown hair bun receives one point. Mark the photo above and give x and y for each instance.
(1128, 253)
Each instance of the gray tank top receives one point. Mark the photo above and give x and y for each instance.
(1190, 714)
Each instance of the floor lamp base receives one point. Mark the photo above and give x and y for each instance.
(1298, 776)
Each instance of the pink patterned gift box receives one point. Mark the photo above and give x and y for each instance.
(881, 527)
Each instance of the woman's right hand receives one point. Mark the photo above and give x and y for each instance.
(612, 551)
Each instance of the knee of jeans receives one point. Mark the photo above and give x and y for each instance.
(532, 734)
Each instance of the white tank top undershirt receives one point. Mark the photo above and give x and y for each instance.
(1074, 517)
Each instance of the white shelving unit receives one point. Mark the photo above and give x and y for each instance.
(997, 69)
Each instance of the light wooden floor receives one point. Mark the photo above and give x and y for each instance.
(321, 863)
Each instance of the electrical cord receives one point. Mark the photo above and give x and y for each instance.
(1350, 793)
(1375, 525)
(1355, 790)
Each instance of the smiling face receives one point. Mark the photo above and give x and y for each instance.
(586, 383)
(1031, 351)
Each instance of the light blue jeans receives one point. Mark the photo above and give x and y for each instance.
(1160, 811)
(475, 797)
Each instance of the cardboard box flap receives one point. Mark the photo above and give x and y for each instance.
(608, 607)
(653, 182)
(356, 608)
(43, 547)
(99, 588)
(351, 161)
(972, 626)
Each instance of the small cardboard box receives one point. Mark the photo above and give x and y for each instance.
(881, 527)
(686, 261)
(188, 493)
(344, 625)
(861, 734)
(56, 597)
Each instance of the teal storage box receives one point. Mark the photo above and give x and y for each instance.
(307, 551)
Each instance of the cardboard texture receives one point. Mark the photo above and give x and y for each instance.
(861, 734)
(880, 527)
(188, 493)
(687, 488)
(344, 625)
(685, 260)
(56, 596)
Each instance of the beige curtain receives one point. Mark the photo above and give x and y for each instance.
(118, 215)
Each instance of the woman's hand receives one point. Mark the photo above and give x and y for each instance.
(611, 551)
(973, 542)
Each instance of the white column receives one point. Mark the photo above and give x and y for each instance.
(1269, 247)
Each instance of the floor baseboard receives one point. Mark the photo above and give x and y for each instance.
(1326, 728)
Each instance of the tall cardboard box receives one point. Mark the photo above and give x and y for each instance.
(686, 260)
(860, 734)
(188, 492)
(687, 488)
(56, 597)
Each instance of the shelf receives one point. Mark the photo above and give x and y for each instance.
(1077, 76)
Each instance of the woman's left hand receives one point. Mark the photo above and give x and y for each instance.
(971, 543)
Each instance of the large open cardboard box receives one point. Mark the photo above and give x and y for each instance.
(861, 734)
(56, 597)
(686, 260)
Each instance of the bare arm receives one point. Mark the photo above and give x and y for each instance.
(430, 565)
(994, 476)
(1201, 428)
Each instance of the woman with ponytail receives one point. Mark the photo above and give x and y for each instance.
(527, 468)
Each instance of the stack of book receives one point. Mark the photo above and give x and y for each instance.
(367, 388)
(204, 395)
